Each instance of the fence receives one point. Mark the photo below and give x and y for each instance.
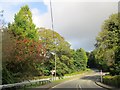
(31, 82)
(25, 83)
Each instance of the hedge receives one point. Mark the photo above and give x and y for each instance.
(112, 80)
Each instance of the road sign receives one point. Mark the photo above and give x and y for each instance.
(101, 75)
(52, 71)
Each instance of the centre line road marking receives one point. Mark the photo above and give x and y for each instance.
(62, 83)
(78, 86)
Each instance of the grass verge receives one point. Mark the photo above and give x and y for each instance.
(53, 83)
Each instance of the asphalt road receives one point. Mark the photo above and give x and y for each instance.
(84, 83)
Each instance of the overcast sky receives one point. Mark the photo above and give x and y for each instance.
(77, 21)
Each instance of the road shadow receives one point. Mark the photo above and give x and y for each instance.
(92, 78)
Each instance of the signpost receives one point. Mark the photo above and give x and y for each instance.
(101, 76)
(55, 63)
(52, 72)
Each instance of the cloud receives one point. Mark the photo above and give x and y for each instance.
(77, 21)
(20, 1)
(9, 9)
(41, 20)
(69, 1)
(80, 22)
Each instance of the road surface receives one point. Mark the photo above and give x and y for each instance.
(84, 83)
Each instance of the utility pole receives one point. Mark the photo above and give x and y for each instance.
(101, 76)
(52, 25)
(55, 66)
(1, 31)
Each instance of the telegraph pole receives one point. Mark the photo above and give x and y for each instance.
(52, 25)
(1, 30)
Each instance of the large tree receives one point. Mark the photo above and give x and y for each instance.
(91, 59)
(21, 48)
(23, 25)
(108, 42)
(81, 59)
(20, 57)
(54, 42)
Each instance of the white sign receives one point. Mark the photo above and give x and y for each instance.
(52, 71)
(101, 72)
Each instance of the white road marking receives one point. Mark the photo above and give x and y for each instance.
(62, 83)
(78, 86)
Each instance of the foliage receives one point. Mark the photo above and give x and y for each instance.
(112, 80)
(22, 49)
(115, 69)
(108, 43)
(80, 58)
(91, 60)
(7, 76)
(53, 42)
(28, 52)
(66, 62)
(23, 25)
(20, 56)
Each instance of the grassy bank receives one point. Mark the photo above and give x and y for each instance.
(80, 72)
(72, 74)
(112, 80)
(60, 80)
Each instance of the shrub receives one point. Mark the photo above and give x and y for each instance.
(112, 80)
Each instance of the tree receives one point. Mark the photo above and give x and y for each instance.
(23, 25)
(108, 44)
(22, 48)
(20, 57)
(54, 42)
(91, 60)
(80, 59)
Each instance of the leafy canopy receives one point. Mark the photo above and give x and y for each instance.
(23, 25)
(108, 43)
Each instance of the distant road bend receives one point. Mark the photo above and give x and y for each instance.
(84, 83)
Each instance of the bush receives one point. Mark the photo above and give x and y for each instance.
(112, 80)
(7, 76)
(115, 69)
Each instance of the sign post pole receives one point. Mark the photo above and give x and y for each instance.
(101, 75)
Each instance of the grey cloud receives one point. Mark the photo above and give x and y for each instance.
(80, 22)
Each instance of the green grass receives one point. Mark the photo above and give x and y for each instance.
(80, 72)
